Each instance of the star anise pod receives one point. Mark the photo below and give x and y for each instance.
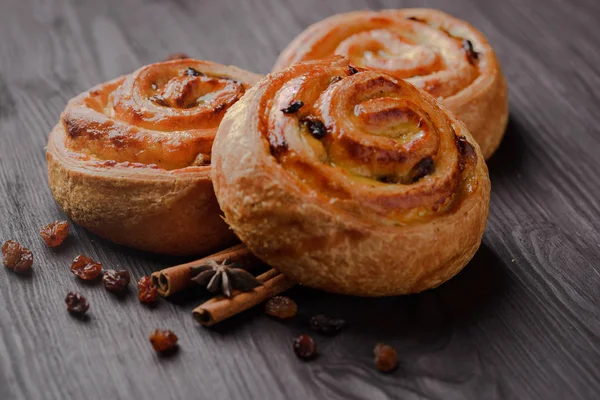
(224, 277)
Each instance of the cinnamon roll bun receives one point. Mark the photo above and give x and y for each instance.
(130, 158)
(351, 180)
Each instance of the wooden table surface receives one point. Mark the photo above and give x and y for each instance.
(522, 320)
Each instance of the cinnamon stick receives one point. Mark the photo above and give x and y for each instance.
(174, 279)
(220, 308)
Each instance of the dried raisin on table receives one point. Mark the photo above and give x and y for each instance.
(85, 268)
(116, 281)
(163, 340)
(147, 292)
(305, 347)
(16, 257)
(76, 303)
(11, 252)
(25, 261)
(55, 233)
(281, 307)
(386, 358)
(326, 325)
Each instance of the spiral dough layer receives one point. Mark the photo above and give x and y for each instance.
(350, 180)
(130, 158)
(440, 54)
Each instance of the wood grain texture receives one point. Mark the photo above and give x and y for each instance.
(520, 322)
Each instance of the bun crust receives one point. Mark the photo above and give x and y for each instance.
(369, 187)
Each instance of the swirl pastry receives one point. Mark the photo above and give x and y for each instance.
(130, 158)
(351, 181)
(440, 54)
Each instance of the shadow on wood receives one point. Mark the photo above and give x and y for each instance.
(463, 298)
(509, 156)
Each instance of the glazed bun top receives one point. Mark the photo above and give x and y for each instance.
(163, 115)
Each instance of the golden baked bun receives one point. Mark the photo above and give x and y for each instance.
(130, 158)
(440, 54)
(351, 181)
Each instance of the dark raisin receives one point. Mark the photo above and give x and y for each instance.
(305, 347)
(192, 72)
(388, 179)
(55, 233)
(293, 107)
(386, 358)
(202, 159)
(76, 303)
(116, 281)
(335, 79)
(163, 340)
(281, 307)
(326, 325)
(471, 53)
(85, 268)
(147, 292)
(16, 257)
(159, 100)
(315, 127)
(176, 56)
(422, 168)
(278, 146)
(352, 70)
(464, 147)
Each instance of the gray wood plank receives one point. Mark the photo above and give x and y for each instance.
(521, 321)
